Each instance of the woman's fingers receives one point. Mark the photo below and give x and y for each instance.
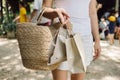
(64, 12)
(62, 15)
(66, 16)
(97, 54)
(97, 51)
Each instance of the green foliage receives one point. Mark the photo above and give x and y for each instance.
(10, 27)
(6, 21)
(7, 27)
(1, 32)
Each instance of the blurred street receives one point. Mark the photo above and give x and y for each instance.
(107, 67)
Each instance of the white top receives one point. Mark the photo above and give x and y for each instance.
(37, 4)
(79, 14)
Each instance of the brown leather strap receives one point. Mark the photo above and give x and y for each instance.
(40, 15)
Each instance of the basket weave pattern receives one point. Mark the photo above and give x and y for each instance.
(34, 43)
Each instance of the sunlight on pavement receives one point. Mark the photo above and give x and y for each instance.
(111, 51)
(6, 58)
(11, 67)
(110, 78)
(6, 41)
(107, 67)
(103, 43)
(3, 43)
(41, 76)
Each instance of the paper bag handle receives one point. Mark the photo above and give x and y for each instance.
(69, 29)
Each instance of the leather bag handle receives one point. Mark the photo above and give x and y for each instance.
(42, 12)
(40, 15)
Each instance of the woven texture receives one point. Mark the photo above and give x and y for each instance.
(34, 43)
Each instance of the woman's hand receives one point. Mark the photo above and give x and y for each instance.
(62, 15)
(58, 12)
(97, 50)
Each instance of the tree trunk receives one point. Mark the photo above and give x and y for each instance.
(7, 11)
(117, 5)
(1, 11)
(14, 5)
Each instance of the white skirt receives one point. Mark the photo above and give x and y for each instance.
(88, 46)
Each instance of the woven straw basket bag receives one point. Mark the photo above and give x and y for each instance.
(34, 43)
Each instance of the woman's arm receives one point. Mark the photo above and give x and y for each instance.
(47, 3)
(94, 25)
(16, 19)
(53, 13)
(49, 13)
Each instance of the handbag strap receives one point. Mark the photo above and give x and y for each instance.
(40, 15)
(42, 12)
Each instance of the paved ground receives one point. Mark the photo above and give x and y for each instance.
(107, 67)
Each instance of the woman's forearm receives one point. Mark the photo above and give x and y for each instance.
(94, 20)
(47, 3)
(53, 13)
(95, 29)
(49, 12)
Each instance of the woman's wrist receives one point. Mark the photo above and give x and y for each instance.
(49, 10)
(97, 41)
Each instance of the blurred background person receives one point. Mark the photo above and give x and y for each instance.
(111, 28)
(103, 28)
(117, 29)
(22, 14)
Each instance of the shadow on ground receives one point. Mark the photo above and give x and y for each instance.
(107, 67)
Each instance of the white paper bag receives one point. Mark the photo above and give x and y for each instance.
(75, 54)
